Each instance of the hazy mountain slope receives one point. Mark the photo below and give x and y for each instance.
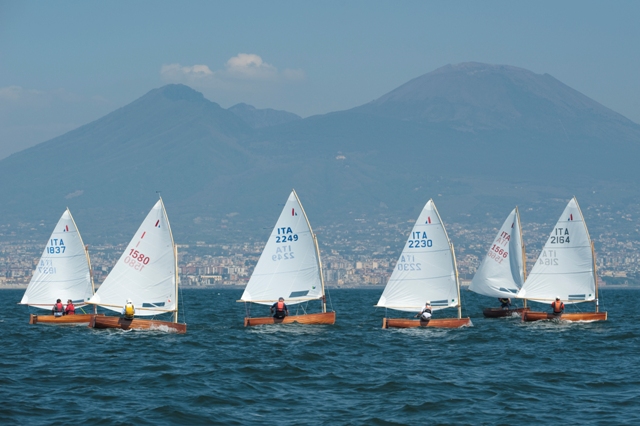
(258, 118)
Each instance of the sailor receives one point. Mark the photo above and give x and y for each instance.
(279, 309)
(557, 306)
(505, 302)
(70, 309)
(129, 310)
(58, 309)
(425, 314)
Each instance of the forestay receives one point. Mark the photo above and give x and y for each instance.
(565, 266)
(63, 271)
(501, 273)
(425, 269)
(146, 271)
(289, 266)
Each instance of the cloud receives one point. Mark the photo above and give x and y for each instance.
(244, 67)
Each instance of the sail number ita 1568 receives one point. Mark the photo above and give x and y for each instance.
(136, 260)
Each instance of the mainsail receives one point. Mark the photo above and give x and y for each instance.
(146, 272)
(289, 266)
(426, 269)
(565, 267)
(501, 273)
(63, 271)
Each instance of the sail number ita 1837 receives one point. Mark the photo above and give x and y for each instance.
(286, 235)
(46, 266)
(419, 239)
(136, 260)
(57, 246)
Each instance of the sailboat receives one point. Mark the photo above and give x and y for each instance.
(146, 274)
(289, 267)
(503, 270)
(565, 269)
(63, 272)
(425, 271)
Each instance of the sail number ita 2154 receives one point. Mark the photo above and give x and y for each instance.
(136, 260)
(419, 239)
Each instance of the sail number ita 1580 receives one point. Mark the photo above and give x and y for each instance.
(136, 260)
(419, 239)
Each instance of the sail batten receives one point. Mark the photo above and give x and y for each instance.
(289, 266)
(146, 270)
(501, 273)
(565, 266)
(425, 269)
(63, 271)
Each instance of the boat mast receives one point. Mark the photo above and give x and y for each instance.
(315, 242)
(455, 268)
(524, 256)
(175, 260)
(595, 274)
(86, 253)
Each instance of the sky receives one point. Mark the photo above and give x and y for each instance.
(67, 63)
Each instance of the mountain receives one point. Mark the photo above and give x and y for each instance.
(258, 118)
(477, 138)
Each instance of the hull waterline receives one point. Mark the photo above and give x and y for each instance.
(320, 318)
(137, 324)
(501, 313)
(436, 323)
(79, 319)
(580, 316)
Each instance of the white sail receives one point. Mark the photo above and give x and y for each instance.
(146, 271)
(289, 266)
(63, 271)
(426, 268)
(565, 267)
(501, 273)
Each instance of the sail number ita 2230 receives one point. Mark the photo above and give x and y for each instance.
(136, 260)
(408, 262)
(419, 239)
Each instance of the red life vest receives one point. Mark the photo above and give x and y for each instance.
(557, 306)
(59, 307)
(280, 307)
(70, 310)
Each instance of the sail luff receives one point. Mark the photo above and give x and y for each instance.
(524, 254)
(86, 252)
(175, 260)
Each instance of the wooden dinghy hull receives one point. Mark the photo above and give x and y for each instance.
(79, 319)
(579, 316)
(436, 322)
(137, 324)
(501, 313)
(319, 318)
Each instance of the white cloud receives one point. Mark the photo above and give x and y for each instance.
(245, 67)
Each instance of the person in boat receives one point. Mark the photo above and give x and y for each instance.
(279, 309)
(505, 302)
(70, 309)
(425, 314)
(129, 310)
(557, 306)
(58, 309)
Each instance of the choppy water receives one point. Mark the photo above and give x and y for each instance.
(499, 371)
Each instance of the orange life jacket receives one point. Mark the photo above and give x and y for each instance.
(557, 306)
(59, 307)
(280, 307)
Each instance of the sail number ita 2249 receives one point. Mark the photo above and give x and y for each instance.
(286, 235)
(283, 253)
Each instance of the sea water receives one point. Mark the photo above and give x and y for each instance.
(499, 371)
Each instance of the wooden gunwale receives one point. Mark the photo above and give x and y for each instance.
(65, 319)
(136, 324)
(319, 318)
(435, 322)
(577, 316)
